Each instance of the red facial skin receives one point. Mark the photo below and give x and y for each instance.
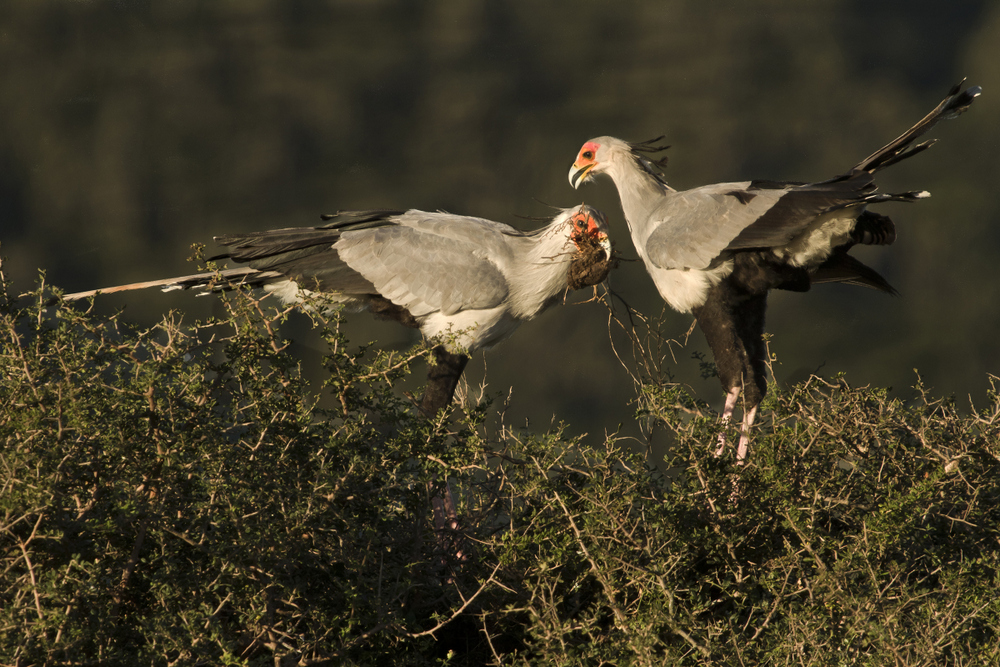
(587, 154)
(586, 223)
(586, 161)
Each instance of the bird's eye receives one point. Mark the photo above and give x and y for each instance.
(588, 155)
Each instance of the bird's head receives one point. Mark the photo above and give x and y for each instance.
(590, 161)
(589, 230)
(603, 153)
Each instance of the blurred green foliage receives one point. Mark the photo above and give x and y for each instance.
(176, 495)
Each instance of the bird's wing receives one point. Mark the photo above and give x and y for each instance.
(699, 225)
(796, 206)
(689, 229)
(306, 254)
(430, 262)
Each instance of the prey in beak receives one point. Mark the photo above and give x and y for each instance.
(594, 257)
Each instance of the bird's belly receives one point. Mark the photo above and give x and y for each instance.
(287, 291)
(325, 303)
(469, 330)
(685, 289)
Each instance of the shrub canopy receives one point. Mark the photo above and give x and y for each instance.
(179, 495)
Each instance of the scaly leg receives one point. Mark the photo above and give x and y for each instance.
(727, 416)
(741, 450)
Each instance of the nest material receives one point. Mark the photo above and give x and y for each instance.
(590, 266)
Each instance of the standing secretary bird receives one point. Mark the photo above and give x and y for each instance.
(466, 283)
(715, 251)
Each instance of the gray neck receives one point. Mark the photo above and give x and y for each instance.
(639, 192)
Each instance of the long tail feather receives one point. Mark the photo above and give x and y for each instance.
(955, 103)
(225, 279)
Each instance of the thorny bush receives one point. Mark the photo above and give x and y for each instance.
(180, 495)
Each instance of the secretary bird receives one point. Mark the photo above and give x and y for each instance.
(715, 251)
(466, 283)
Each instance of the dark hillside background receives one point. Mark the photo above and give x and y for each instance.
(129, 130)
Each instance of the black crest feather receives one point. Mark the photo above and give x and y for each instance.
(643, 149)
(651, 166)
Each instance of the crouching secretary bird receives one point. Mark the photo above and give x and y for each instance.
(715, 251)
(466, 283)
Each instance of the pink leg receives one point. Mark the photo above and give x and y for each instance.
(727, 416)
(748, 417)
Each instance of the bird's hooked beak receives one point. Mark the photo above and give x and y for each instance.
(586, 160)
(578, 174)
(605, 244)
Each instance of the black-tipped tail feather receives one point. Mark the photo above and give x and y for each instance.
(955, 103)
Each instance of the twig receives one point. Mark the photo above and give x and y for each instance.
(31, 568)
(608, 590)
(460, 610)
